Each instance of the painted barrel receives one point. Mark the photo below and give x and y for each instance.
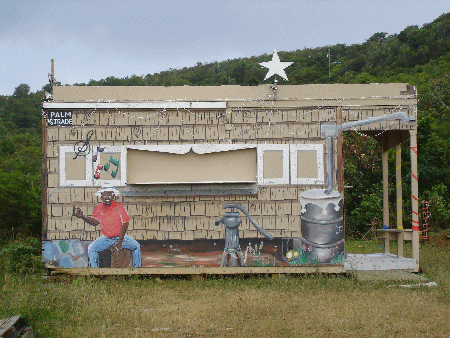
(322, 226)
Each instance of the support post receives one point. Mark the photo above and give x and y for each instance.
(398, 181)
(384, 160)
(414, 194)
(340, 159)
(53, 73)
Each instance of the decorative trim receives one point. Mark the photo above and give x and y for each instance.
(320, 179)
(196, 148)
(135, 105)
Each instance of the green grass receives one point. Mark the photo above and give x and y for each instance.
(281, 306)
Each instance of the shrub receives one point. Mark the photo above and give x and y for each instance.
(21, 256)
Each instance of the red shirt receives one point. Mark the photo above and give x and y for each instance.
(111, 218)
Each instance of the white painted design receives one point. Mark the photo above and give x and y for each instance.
(275, 66)
(319, 198)
(196, 148)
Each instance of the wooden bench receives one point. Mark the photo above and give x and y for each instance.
(400, 235)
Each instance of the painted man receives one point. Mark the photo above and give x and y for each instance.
(113, 220)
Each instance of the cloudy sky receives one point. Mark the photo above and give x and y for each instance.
(94, 39)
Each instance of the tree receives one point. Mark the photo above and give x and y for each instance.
(21, 91)
(377, 37)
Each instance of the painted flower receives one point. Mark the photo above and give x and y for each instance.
(289, 255)
(304, 247)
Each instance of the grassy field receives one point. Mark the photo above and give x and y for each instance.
(282, 306)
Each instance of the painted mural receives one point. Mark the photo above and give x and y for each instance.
(322, 241)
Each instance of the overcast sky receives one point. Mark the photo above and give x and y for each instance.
(94, 39)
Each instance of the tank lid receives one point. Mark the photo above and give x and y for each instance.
(319, 194)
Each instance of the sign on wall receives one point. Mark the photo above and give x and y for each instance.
(60, 118)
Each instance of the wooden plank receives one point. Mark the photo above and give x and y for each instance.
(7, 323)
(398, 181)
(400, 235)
(384, 160)
(414, 194)
(340, 157)
(335, 269)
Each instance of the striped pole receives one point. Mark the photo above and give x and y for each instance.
(398, 179)
(414, 181)
(414, 196)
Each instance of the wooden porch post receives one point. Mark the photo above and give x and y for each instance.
(384, 158)
(340, 159)
(398, 181)
(414, 194)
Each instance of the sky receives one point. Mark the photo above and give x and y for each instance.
(96, 39)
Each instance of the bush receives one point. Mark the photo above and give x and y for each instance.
(21, 257)
(439, 206)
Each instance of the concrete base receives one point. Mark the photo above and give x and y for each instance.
(378, 262)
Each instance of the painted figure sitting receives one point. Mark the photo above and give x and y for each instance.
(113, 220)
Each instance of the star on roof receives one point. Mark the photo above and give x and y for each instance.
(276, 67)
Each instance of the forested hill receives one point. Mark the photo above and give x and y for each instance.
(417, 55)
(382, 58)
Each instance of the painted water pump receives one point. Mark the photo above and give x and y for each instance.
(232, 220)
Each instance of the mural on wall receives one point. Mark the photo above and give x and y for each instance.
(322, 240)
(231, 221)
(113, 220)
(322, 227)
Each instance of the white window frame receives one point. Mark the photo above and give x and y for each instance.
(260, 165)
(289, 165)
(121, 180)
(63, 150)
(320, 179)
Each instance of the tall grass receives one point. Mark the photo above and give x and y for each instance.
(282, 306)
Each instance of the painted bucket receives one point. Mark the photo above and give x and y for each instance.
(322, 226)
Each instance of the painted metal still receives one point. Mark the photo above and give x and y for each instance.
(322, 221)
(322, 225)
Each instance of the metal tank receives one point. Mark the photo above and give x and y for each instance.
(322, 226)
(322, 222)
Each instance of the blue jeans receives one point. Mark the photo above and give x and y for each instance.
(104, 242)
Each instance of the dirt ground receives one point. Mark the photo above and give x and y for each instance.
(442, 239)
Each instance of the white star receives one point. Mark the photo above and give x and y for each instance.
(276, 67)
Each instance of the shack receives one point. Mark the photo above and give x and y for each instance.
(176, 156)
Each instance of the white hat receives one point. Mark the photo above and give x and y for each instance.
(106, 186)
